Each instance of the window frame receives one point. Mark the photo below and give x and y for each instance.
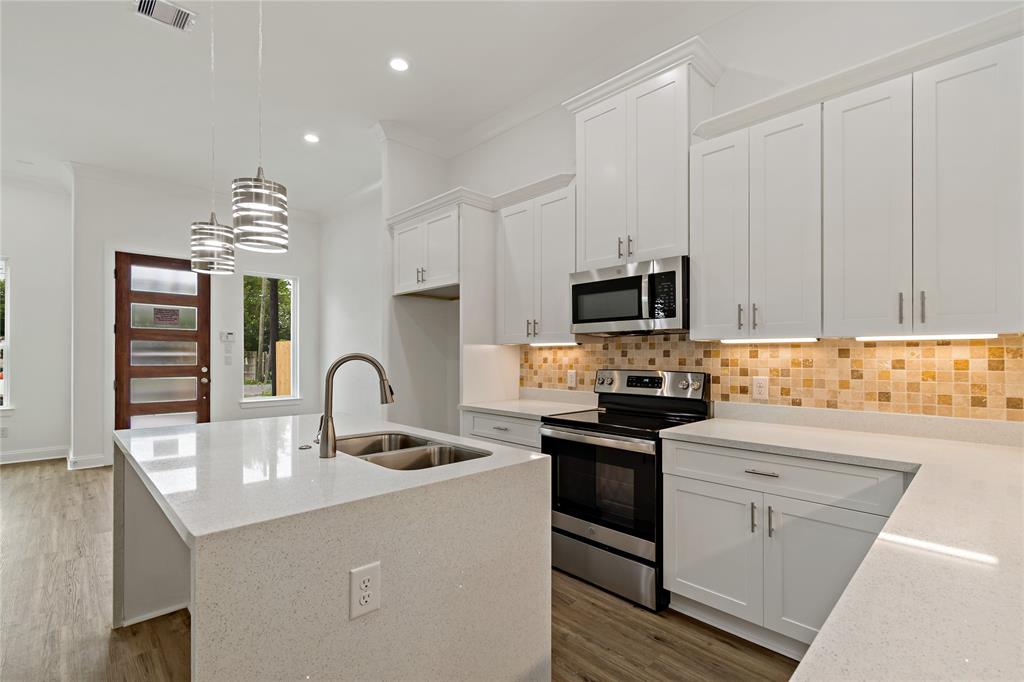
(296, 395)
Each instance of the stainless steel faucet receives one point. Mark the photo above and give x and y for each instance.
(326, 436)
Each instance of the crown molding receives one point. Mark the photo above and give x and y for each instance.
(459, 195)
(396, 131)
(995, 29)
(533, 190)
(693, 52)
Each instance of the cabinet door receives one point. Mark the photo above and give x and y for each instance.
(785, 226)
(442, 250)
(657, 135)
(515, 273)
(554, 260)
(968, 212)
(713, 546)
(719, 230)
(868, 219)
(811, 552)
(408, 253)
(601, 182)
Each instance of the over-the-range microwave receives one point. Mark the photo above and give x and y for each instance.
(649, 297)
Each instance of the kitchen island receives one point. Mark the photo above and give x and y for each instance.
(256, 537)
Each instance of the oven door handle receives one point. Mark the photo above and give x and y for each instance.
(646, 447)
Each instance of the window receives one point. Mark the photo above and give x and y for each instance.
(268, 303)
(5, 381)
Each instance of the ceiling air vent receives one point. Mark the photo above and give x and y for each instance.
(166, 13)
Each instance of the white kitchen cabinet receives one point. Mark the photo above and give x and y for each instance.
(811, 552)
(968, 212)
(426, 254)
(601, 178)
(408, 252)
(719, 265)
(785, 226)
(868, 211)
(714, 549)
(536, 254)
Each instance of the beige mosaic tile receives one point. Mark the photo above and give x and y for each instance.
(981, 379)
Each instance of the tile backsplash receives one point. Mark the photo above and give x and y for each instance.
(981, 379)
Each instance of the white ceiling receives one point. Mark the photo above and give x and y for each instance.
(94, 83)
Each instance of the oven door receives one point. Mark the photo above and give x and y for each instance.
(604, 488)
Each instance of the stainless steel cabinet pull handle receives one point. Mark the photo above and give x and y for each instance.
(620, 247)
(629, 245)
(901, 308)
(772, 474)
(753, 517)
(753, 316)
(527, 327)
(771, 528)
(535, 327)
(500, 428)
(922, 306)
(739, 316)
(424, 273)
(418, 280)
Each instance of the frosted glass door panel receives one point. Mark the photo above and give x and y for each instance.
(162, 389)
(148, 316)
(164, 280)
(164, 353)
(151, 421)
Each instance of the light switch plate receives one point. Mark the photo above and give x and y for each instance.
(570, 379)
(760, 389)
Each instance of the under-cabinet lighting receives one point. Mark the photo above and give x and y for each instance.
(939, 549)
(928, 337)
(797, 340)
(560, 343)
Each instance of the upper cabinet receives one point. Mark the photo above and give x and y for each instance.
(535, 256)
(632, 141)
(426, 253)
(968, 210)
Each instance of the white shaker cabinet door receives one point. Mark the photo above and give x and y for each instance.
(713, 546)
(968, 205)
(441, 265)
(868, 213)
(601, 173)
(785, 226)
(811, 551)
(658, 125)
(408, 248)
(719, 232)
(554, 260)
(515, 290)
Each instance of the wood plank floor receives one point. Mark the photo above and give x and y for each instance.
(55, 605)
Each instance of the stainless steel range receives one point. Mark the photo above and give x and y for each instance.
(606, 478)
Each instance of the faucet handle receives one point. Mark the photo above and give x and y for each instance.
(319, 430)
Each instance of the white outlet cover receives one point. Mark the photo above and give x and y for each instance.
(760, 388)
(570, 380)
(364, 590)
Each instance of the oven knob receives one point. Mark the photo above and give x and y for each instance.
(695, 386)
(684, 384)
(600, 381)
(609, 381)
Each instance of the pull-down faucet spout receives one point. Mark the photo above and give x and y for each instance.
(327, 436)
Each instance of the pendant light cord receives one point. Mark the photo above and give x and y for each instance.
(213, 120)
(259, 87)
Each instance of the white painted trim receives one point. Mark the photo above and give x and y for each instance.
(459, 195)
(153, 614)
(33, 454)
(533, 190)
(400, 132)
(737, 626)
(269, 402)
(994, 29)
(694, 52)
(100, 459)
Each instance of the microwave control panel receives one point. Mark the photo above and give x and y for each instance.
(662, 294)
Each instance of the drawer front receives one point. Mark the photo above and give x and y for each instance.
(865, 489)
(508, 429)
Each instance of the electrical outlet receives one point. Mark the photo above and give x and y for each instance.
(364, 590)
(570, 379)
(760, 389)
(3, 432)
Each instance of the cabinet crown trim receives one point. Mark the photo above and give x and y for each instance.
(995, 29)
(453, 197)
(533, 190)
(694, 52)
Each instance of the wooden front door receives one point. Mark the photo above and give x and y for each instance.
(162, 342)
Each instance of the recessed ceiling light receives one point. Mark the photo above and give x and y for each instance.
(311, 138)
(399, 64)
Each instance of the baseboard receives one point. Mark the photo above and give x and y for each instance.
(33, 454)
(787, 646)
(100, 459)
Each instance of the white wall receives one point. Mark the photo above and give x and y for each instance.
(113, 212)
(35, 235)
(409, 176)
(353, 245)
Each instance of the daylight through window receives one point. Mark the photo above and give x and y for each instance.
(267, 305)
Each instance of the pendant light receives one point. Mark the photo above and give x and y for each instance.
(259, 207)
(212, 244)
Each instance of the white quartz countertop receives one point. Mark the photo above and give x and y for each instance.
(214, 477)
(940, 594)
(526, 409)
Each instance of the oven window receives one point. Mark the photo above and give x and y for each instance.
(617, 299)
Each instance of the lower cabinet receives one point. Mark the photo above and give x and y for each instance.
(778, 562)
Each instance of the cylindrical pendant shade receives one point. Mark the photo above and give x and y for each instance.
(259, 209)
(213, 248)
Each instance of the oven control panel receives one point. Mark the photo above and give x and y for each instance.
(653, 382)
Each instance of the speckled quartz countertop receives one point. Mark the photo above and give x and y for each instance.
(940, 595)
(526, 409)
(223, 475)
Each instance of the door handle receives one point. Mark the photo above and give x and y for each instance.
(771, 474)
(535, 327)
(901, 308)
(771, 528)
(418, 280)
(739, 316)
(629, 245)
(500, 428)
(424, 271)
(753, 517)
(753, 316)
(620, 247)
(922, 306)
(204, 380)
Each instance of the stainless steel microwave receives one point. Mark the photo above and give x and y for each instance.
(648, 297)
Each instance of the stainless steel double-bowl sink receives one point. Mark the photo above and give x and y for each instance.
(404, 451)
